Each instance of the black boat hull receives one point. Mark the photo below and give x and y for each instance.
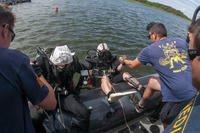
(105, 116)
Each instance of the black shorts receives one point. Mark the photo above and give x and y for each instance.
(170, 110)
(73, 104)
(117, 78)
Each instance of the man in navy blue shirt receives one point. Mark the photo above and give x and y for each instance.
(168, 56)
(19, 82)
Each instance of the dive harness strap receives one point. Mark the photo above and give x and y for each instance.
(136, 86)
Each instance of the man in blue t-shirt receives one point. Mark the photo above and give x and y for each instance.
(19, 82)
(168, 56)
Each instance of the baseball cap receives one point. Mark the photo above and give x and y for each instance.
(102, 46)
(62, 55)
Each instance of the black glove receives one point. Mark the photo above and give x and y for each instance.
(37, 69)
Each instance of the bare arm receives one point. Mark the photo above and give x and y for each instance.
(130, 63)
(49, 102)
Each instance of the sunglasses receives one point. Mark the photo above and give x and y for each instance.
(12, 34)
(193, 53)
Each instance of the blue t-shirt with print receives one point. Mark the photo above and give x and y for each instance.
(170, 60)
(18, 85)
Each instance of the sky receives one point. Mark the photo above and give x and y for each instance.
(186, 6)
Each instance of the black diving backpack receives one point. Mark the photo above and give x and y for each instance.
(105, 59)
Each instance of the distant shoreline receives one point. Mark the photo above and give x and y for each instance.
(162, 7)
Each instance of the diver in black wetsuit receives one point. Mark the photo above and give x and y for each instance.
(107, 61)
(60, 75)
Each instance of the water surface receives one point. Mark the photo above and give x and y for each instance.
(83, 24)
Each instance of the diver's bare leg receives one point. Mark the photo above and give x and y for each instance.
(106, 85)
(108, 89)
(126, 76)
